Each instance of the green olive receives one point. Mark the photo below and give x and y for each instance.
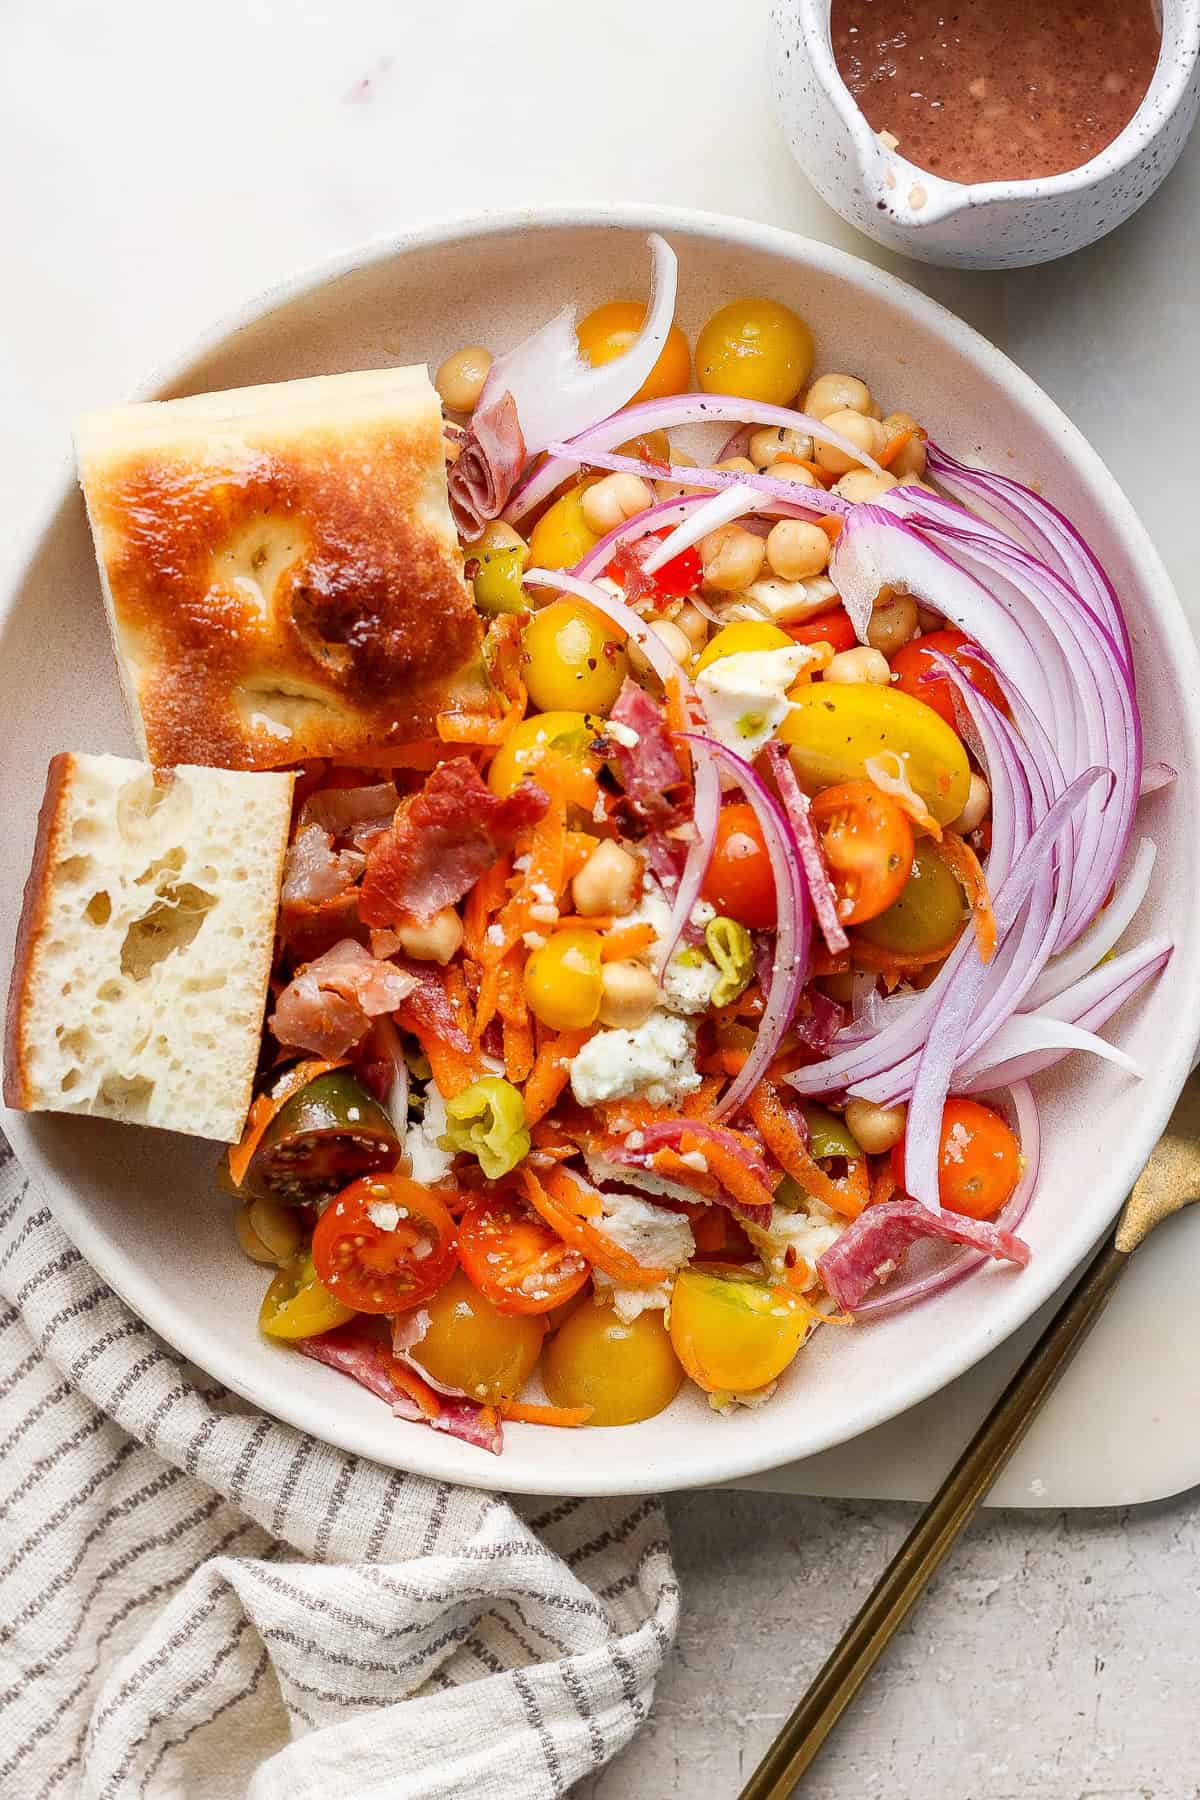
(503, 557)
(829, 1134)
(928, 913)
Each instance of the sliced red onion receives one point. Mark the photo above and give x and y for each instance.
(1028, 1034)
(1106, 929)
(793, 933)
(948, 1273)
(662, 415)
(774, 493)
(721, 509)
(396, 1104)
(621, 614)
(1156, 775)
(706, 808)
(797, 810)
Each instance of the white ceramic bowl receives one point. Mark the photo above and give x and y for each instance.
(987, 224)
(142, 1205)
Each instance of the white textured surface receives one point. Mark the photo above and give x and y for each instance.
(155, 173)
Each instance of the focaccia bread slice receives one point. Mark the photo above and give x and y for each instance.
(144, 949)
(280, 568)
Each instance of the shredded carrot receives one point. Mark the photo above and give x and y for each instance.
(579, 847)
(831, 525)
(829, 962)
(627, 941)
(894, 446)
(571, 1193)
(413, 1386)
(799, 1274)
(550, 1071)
(708, 1229)
(581, 922)
(545, 872)
(789, 1149)
(264, 1109)
(518, 1051)
(599, 1249)
(964, 866)
(622, 1116)
(675, 717)
(426, 753)
(472, 727)
(729, 1171)
(527, 1413)
(485, 898)
(855, 1185)
(701, 1103)
(883, 1185)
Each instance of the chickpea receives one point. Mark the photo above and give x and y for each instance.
(460, 379)
(675, 490)
(677, 642)
(866, 434)
(786, 469)
(737, 465)
(610, 502)
(915, 481)
(607, 882)
(797, 550)
(837, 393)
(864, 484)
(774, 441)
(910, 458)
(893, 621)
(850, 667)
(693, 624)
(732, 558)
(628, 994)
(976, 809)
(436, 941)
(267, 1231)
(877, 1128)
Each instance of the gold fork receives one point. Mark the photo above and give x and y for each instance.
(1170, 1181)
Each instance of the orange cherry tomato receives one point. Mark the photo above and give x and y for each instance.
(514, 1258)
(868, 845)
(980, 1161)
(913, 672)
(739, 881)
(608, 333)
(375, 1269)
(832, 627)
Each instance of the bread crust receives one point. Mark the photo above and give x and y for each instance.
(35, 902)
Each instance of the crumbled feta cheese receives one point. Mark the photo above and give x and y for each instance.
(521, 863)
(727, 1404)
(384, 1214)
(808, 1232)
(430, 1163)
(544, 913)
(543, 894)
(745, 696)
(494, 934)
(621, 734)
(653, 1236)
(532, 940)
(629, 1303)
(694, 1159)
(656, 1060)
(688, 980)
(703, 914)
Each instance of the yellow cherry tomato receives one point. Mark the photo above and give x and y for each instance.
(564, 732)
(561, 537)
(563, 980)
(832, 730)
(749, 634)
(609, 331)
(623, 1372)
(298, 1304)
(756, 349)
(573, 658)
(734, 1332)
(469, 1344)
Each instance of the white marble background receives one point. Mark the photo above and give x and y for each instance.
(158, 164)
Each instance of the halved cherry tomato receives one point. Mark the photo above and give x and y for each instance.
(980, 1161)
(298, 1304)
(739, 879)
(470, 1344)
(868, 845)
(380, 1270)
(515, 1259)
(674, 581)
(831, 627)
(734, 1331)
(913, 672)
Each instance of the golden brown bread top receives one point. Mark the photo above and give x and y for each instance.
(282, 573)
(18, 1092)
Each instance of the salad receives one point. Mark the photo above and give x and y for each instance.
(682, 999)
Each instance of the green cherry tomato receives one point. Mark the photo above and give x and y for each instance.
(928, 913)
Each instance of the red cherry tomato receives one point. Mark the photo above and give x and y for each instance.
(980, 1161)
(376, 1270)
(739, 881)
(831, 627)
(868, 845)
(912, 671)
(674, 581)
(515, 1260)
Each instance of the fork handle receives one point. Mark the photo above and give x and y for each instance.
(937, 1529)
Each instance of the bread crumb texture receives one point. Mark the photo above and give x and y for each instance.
(145, 944)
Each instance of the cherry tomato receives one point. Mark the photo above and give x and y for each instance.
(732, 1331)
(473, 1345)
(608, 333)
(928, 913)
(563, 733)
(739, 881)
(736, 640)
(380, 1270)
(515, 1260)
(298, 1305)
(573, 658)
(833, 730)
(756, 349)
(913, 672)
(674, 581)
(561, 537)
(623, 1372)
(833, 628)
(980, 1162)
(868, 845)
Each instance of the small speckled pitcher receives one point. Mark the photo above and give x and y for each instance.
(992, 224)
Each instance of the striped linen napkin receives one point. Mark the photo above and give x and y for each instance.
(198, 1601)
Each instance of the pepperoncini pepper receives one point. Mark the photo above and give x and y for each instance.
(487, 1120)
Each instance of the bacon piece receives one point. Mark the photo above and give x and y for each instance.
(368, 1361)
(869, 1250)
(649, 768)
(313, 871)
(353, 812)
(442, 841)
(328, 1006)
(490, 458)
(427, 1012)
